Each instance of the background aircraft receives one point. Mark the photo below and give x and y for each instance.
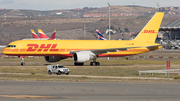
(100, 36)
(35, 36)
(42, 35)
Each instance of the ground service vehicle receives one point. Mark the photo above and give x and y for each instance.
(58, 69)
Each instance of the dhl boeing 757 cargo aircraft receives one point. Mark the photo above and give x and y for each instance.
(84, 50)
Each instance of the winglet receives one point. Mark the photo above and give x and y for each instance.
(53, 35)
(100, 36)
(35, 36)
(150, 31)
(41, 34)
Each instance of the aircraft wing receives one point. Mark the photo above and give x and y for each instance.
(101, 51)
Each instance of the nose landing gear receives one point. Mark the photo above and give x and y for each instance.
(22, 61)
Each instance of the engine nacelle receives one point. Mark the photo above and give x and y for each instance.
(53, 58)
(82, 57)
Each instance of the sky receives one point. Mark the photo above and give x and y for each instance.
(72, 4)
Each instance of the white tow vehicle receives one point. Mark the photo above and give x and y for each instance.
(58, 69)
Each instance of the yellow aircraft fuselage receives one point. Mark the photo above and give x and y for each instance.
(63, 47)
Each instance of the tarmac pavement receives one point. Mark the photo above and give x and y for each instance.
(87, 91)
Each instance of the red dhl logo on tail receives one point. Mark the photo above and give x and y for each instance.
(42, 47)
(149, 31)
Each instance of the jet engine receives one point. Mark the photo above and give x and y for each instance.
(53, 58)
(82, 57)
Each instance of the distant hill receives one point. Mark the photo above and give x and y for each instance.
(75, 12)
(116, 11)
(124, 9)
(70, 24)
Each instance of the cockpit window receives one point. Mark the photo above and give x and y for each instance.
(12, 46)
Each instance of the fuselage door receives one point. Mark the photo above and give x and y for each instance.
(19, 46)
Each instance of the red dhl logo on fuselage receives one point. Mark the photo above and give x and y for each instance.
(42, 47)
(149, 31)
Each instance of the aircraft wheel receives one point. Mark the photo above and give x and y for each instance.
(97, 63)
(78, 64)
(49, 72)
(91, 63)
(75, 63)
(82, 64)
(23, 64)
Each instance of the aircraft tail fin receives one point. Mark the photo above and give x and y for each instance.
(150, 31)
(41, 34)
(53, 35)
(100, 36)
(35, 36)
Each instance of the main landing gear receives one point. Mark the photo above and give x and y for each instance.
(91, 63)
(78, 64)
(94, 63)
(22, 62)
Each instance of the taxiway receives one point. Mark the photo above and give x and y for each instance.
(87, 91)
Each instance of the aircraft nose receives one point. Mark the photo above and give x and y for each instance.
(4, 51)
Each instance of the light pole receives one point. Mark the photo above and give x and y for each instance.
(5, 17)
(158, 6)
(109, 21)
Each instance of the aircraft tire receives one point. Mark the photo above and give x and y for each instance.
(82, 64)
(91, 63)
(78, 64)
(23, 64)
(97, 63)
(49, 72)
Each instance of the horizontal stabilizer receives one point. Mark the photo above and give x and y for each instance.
(156, 46)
